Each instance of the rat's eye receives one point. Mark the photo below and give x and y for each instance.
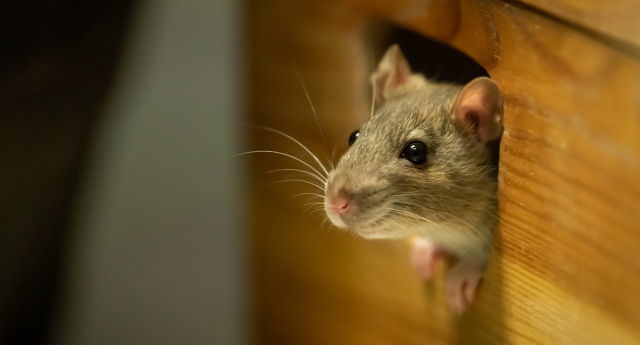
(353, 137)
(416, 152)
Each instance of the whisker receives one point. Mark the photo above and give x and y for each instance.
(475, 191)
(373, 99)
(300, 194)
(307, 212)
(474, 229)
(396, 223)
(373, 68)
(406, 231)
(324, 154)
(313, 109)
(311, 209)
(295, 141)
(324, 219)
(324, 222)
(316, 211)
(411, 214)
(315, 203)
(479, 192)
(283, 154)
(319, 178)
(295, 180)
(466, 223)
(405, 244)
(382, 222)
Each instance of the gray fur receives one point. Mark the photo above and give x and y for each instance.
(451, 200)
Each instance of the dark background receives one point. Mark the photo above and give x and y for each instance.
(57, 60)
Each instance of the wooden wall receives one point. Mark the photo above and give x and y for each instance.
(567, 263)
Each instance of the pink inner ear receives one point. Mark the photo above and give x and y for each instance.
(473, 118)
(479, 103)
(393, 71)
(477, 113)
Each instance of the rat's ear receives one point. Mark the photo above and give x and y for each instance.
(393, 71)
(480, 104)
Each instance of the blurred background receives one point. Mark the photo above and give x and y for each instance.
(122, 218)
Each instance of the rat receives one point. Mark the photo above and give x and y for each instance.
(422, 167)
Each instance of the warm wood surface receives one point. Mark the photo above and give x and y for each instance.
(567, 268)
(615, 18)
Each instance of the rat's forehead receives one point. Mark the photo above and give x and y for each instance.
(395, 127)
(416, 133)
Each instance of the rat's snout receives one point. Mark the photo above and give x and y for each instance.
(339, 202)
(353, 200)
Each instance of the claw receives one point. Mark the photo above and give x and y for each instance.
(462, 280)
(462, 283)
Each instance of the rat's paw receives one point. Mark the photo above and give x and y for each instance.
(462, 282)
(423, 258)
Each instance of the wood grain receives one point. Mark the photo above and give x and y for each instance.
(566, 269)
(617, 19)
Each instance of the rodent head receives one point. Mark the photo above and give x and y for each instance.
(422, 158)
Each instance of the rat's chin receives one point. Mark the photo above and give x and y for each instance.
(376, 232)
(371, 234)
(365, 233)
(336, 219)
(367, 230)
(346, 222)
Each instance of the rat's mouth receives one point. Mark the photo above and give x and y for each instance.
(355, 202)
(367, 220)
(336, 218)
(380, 232)
(379, 227)
(373, 232)
(386, 224)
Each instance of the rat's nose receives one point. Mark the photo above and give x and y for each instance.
(340, 202)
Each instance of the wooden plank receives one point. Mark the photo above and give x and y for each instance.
(570, 152)
(566, 269)
(617, 19)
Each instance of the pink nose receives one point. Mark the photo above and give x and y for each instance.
(340, 202)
